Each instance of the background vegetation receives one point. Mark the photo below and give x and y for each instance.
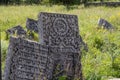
(49, 1)
(102, 61)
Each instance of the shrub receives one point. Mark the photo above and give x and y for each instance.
(98, 42)
(32, 1)
(65, 1)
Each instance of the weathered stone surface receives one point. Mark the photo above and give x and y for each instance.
(105, 24)
(17, 30)
(27, 60)
(60, 32)
(31, 25)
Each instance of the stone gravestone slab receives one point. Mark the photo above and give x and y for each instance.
(31, 25)
(17, 30)
(60, 32)
(105, 24)
(27, 60)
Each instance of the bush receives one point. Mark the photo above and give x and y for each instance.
(65, 2)
(32, 1)
(98, 42)
(21, 2)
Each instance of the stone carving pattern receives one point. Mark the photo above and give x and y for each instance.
(60, 30)
(61, 33)
(29, 61)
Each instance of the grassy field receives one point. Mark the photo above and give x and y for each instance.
(102, 61)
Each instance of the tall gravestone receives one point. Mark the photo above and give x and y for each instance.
(27, 60)
(60, 32)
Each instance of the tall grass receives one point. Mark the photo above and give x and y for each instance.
(97, 62)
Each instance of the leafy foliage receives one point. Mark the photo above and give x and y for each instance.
(65, 1)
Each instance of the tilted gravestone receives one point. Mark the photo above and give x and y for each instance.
(31, 25)
(27, 60)
(17, 30)
(105, 24)
(60, 32)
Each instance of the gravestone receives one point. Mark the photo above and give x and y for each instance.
(27, 60)
(60, 32)
(18, 30)
(31, 25)
(105, 24)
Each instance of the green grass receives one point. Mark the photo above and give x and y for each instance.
(97, 62)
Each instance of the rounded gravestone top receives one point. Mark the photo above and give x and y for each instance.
(60, 26)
